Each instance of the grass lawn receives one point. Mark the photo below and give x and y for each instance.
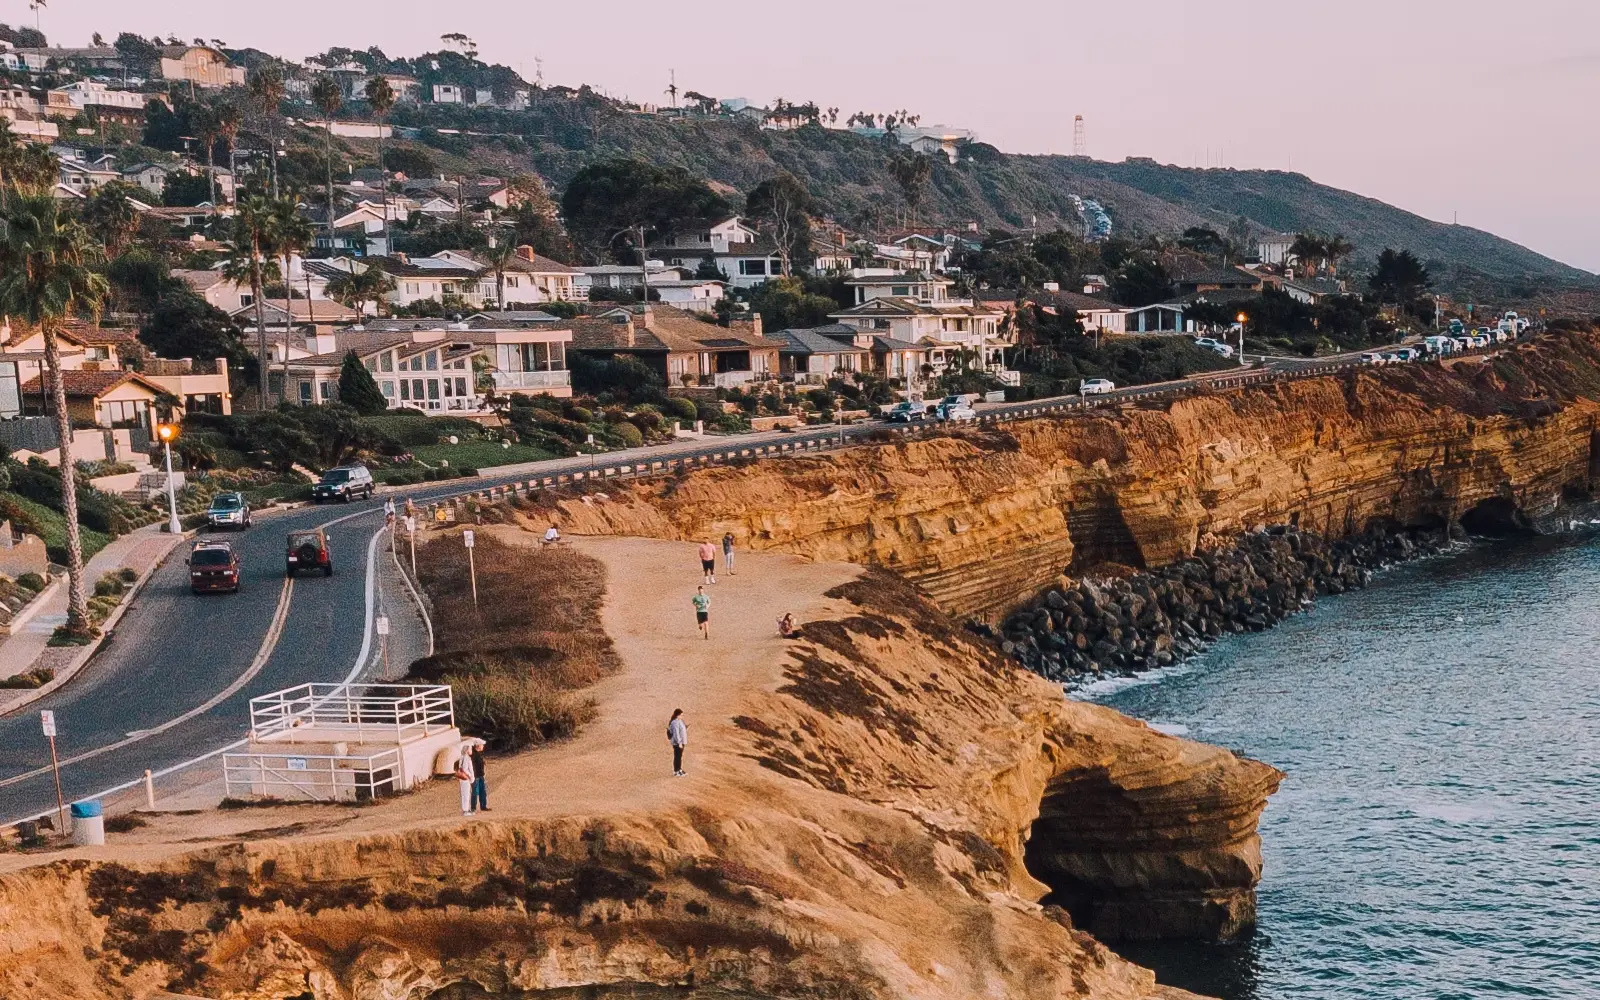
(53, 529)
(478, 454)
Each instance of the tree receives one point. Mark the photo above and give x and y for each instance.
(1399, 277)
(356, 288)
(111, 217)
(792, 302)
(499, 257)
(267, 90)
(10, 156)
(185, 190)
(327, 99)
(380, 97)
(358, 389)
(203, 122)
(1142, 281)
(138, 55)
(252, 233)
(47, 277)
(1309, 250)
(138, 279)
(784, 204)
(1202, 240)
(28, 170)
(911, 171)
(610, 196)
(1335, 249)
(228, 124)
(291, 234)
(184, 325)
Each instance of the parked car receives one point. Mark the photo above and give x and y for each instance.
(1212, 344)
(1438, 345)
(907, 411)
(1462, 343)
(346, 483)
(1373, 358)
(213, 566)
(1096, 386)
(228, 510)
(309, 550)
(955, 412)
(1407, 353)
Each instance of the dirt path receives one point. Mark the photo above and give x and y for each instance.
(621, 761)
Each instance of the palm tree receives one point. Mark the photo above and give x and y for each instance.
(381, 97)
(203, 120)
(228, 123)
(46, 276)
(34, 170)
(377, 285)
(111, 217)
(1335, 249)
(325, 95)
(498, 257)
(10, 153)
(252, 235)
(291, 234)
(266, 89)
(1309, 250)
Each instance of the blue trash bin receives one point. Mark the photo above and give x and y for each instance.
(88, 823)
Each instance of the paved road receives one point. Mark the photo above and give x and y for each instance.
(200, 660)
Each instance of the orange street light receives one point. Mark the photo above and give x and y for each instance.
(1243, 319)
(166, 432)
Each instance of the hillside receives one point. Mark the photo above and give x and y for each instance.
(847, 174)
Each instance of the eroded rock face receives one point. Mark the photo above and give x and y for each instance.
(872, 842)
(986, 519)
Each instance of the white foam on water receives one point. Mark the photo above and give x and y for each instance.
(1170, 728)
(1105, 687)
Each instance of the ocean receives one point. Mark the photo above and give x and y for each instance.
(1437, 836)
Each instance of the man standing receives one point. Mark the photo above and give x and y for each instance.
(480, 784)
(465, 777)
(708, 561)
(678, 736)
(702, 611)
(727, 552)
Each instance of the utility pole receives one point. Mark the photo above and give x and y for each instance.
(166, 432)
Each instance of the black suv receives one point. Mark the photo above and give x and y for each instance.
(347, 483)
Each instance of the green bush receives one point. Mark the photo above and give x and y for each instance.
(580, 415)
(33, 679)
(31, 581)
(109, 586)
(628, 435)
(683, 408)
(127, 574)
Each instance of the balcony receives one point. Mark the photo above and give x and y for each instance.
(730, 380)
(513, 381)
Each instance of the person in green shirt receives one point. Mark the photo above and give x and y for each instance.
(702, 611)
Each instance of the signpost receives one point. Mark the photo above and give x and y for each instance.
(383, 641)
(411, 529)
(472, 566)
(47, 722)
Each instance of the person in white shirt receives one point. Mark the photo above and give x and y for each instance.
(552, 536)
(678, 736)
(465, 776)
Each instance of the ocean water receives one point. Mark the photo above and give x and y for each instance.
(1437, 836)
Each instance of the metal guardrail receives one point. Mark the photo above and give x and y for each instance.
(317, 777)
(388, 712)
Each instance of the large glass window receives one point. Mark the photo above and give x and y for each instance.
(123, 413)
(752, 267)
(387, 385)
(405, 389)
(433, 388)
(433, 361)
(305, 392)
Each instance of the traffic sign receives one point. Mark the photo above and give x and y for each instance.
(383, 625)
(466, 536)
(47, 721)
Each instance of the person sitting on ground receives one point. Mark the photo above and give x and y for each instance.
(552, 535)
(786, 626)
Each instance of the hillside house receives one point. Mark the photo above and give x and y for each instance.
(810, 357)
(201, 66)
(685, 351)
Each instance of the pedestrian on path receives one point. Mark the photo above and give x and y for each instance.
(727, 552)
(678, 736)
(702, 611)
(465, 777)
(708, 561)
(480, 784)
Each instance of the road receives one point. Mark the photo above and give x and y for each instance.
(175, 680)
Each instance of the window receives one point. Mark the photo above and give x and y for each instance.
(305, 393)
(416, 363)
(449, 388)
(405, 389)
(96, 354)
(461, 385)
(324, 391)
(899, 289)
(247, 299)
(123, 413)
(372, 364)
(752, 267)
(433, 388)
(386, 362)
(387, 385)
(433, 361)
(416, 389)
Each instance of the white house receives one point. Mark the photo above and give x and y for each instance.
(449, 93)
(88, 93)
(152, 176)
(1274, 249)
(690, 295)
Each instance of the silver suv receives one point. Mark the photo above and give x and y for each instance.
(346, 483)
(228, 510)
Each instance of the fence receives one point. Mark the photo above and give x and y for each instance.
(317, 777)
(313, 713)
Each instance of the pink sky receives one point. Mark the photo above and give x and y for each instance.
(1442, 107)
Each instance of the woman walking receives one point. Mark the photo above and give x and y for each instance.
(678, 736)
(727, 552)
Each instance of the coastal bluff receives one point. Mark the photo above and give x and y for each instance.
(984, 519)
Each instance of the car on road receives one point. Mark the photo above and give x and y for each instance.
(1212, 344)
(1406, 353)
(346, 483)
(309, 550)
(955, 412)
(213, 567)
(1438, 345)
(228, 510)
(1374, 358)
(1096, 386)
(907, 411)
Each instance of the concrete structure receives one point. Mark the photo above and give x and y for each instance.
(201, 66)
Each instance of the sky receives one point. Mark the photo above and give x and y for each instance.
(1458, 110)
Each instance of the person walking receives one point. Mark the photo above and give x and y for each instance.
(727, 552)
(708, 561)
(480, 784)
(702, 611)
(678, 736)
(465, 777)
(388, 512)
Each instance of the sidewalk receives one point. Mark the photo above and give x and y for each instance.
(140, 550)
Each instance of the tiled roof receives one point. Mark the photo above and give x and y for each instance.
(90, 384)
(590, 334)
(406, 269)
(682, 331)
(806, 341)
(198, 280)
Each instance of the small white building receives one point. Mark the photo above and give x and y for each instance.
(449, 93)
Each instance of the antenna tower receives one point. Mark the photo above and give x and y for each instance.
(1080, 144)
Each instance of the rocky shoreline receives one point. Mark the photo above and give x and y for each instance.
(1114, 624)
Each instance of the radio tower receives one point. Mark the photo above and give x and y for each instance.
(1080, 145)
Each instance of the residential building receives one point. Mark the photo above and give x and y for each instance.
(915, 308)
(941, 139)
(691, 295)
(92, 94)
(200, 65)
(1214, 279)
(1313, 289)
(811, 357)
(153, 176)
(687, 352)
(744, 258)
(529, 278)
(217, 290)
(628, 275)
(112, 399)
(449, 93)
(897, 360)
(1274, 249)
(80, 177)
(880, 282)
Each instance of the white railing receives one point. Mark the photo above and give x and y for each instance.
(315, 777)
(531, 380)
(728, 380)
(320, 713)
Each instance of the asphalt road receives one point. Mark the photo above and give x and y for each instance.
(175, 680)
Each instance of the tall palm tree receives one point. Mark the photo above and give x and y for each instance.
(325, 95)
(228, 123)
(1309, 250)
(46, 277)
(266, 90)
(252, 236)
(35, 170)
(111, 217)
(381, 98)
(10, 153)
(291, 234)
(203, 121)
(498, 257)
(1334, 249)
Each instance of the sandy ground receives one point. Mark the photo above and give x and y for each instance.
(621, 761)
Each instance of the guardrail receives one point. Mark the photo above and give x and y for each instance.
(317, 777)
(327, 712)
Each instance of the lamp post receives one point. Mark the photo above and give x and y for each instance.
(1242, 318)
(166, 432)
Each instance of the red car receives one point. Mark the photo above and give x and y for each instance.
(213, 566)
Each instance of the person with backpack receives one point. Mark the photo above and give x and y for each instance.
(678, 736)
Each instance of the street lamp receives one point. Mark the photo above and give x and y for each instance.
(166, 432)
(1242, 318)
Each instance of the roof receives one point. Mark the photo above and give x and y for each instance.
(807, 341)
(592, 334)
(899, 278)
(522, 316)
(895, 305)
(93, 384)
(1318, 285)
(525, 265)
(198, 280)
(882, 343)
(682, 331)
(102, 336)
(1079, 301)
(418, 268)
(1218, 276)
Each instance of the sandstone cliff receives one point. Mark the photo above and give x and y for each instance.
(984, 519)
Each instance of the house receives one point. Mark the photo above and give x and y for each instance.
(879, 282)
(111, 399)
(199, 65)
(1158, 317)
(1312, 290)
(1274, 249)
(949, 330)
(153, 176)
(691, 295)
(200, 385)
(75, 175)
(685, 351)
(1213, 279)
(92, 58)
(529, 277)
(628, 275)
(1094, 313)
(93, 94)
(275, 315)
(229, 296)
(811, 357)
(449, 93)
(891, 358)
(941, 139)
(714, 239)
(186, 217)
(743, 257)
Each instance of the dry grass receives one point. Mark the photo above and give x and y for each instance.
(518, 659)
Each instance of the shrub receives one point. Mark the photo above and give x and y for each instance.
(109, 586)
(31, 581)
(33, 679)
(125, 823)
(517, 711)
(683, 408)
(580, 415)
(628, 435)
(128, 574)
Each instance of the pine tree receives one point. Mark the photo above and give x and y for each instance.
(357, 388)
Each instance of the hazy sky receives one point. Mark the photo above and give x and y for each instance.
(1489, 111)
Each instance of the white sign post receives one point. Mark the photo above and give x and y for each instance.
(472, 566)
(411, 530)
(47, 722)
(383, 640)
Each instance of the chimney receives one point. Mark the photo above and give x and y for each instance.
(755, 323)
(321, 340)
(629, 325)
(525, 252)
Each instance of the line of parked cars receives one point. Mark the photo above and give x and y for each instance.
(950, 409)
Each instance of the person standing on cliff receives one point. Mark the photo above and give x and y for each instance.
(727, 552)
(465, 777)
(708, 561)
(480, 783)
(702, 611)
(678, 736)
